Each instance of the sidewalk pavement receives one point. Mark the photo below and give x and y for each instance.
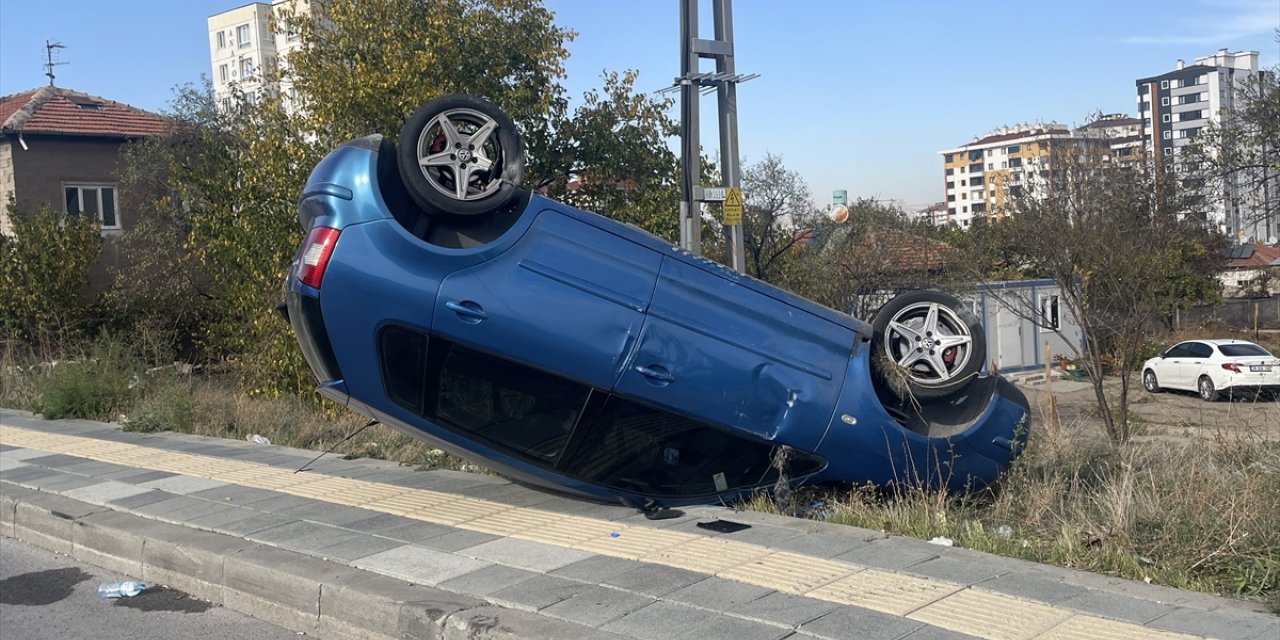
(369, 549)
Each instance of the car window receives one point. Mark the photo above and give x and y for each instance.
(1201, 350)
(1182, 350)
(1245, 349)
(500, 403)
(633, 447)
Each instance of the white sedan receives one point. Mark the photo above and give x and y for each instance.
(1212, 368)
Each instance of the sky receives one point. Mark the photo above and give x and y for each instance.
(859, 96)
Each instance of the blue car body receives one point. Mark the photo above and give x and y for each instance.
(577, 353)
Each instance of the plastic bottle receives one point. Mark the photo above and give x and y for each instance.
(126, 589)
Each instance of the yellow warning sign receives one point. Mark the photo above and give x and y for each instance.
(733, 205)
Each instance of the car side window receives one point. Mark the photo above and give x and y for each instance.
(509, 406)
(1179, 351)
(632, 447)
(1201, 350)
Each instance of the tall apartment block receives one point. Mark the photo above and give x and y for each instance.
(981, 175)
(1177, 105)
(245, 50)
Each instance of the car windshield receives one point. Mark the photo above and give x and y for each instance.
(1237, 350)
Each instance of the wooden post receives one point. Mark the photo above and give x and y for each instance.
(1255, 322)
(1053, 425)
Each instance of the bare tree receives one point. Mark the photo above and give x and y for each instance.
(1113, 236)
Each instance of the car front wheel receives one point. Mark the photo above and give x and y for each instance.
(1207, 391)
(460, 155)
(927, 345)
(1150, 382)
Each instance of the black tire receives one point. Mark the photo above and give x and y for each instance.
(1206, 389)
(460, 135)
(1150, 382)
(936, 361)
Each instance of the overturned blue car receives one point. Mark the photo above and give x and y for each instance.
(563, 349)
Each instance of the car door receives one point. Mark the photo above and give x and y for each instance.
(1197, 362)
(568, 298)
(1170, 369)
(723, 350)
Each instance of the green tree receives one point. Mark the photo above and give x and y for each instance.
(613, 150)
(44, 274)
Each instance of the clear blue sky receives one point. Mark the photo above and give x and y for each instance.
(852, 95)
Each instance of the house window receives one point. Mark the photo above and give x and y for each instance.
(1168, 134)
(222, 72)
(222, 39)
(1164, 84)
(1164, 118)
(242, 36)
(95, 200)
(1164, 102)
(246, 68)
(951, 172)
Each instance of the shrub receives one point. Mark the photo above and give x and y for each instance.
(96, 387)
(44, 273)
(168, 406)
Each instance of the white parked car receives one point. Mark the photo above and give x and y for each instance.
(1213, 368)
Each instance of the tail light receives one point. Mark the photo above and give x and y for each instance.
(315, 255)
(1231, 366)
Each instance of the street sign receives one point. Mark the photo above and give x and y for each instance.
(733, 206)
(713, 194)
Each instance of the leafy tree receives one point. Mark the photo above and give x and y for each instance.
(613, 150)
(777, 215)
(44, 273)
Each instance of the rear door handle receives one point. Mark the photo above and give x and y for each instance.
(469, 311)
(656, 374)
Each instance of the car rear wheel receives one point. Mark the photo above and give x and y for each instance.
(927, 345)
(1207, 391)
(461, 156)
(1150, 382)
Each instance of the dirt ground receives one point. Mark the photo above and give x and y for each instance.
(1167, 415)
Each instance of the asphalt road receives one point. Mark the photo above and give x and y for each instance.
(46, 595)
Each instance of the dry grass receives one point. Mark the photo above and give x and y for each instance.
(1196, 514)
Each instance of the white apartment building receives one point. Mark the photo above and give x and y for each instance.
(981, 176)
(1177, 105)
(244, 49)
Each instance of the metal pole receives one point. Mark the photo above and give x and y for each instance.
(727, 97)
(691, 153)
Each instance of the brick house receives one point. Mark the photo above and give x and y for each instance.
(62, 148)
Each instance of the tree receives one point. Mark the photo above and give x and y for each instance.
(613, 150)
(777, 214)
(1115, 241)
(44, 273)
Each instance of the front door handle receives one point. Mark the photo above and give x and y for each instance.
(656, 375)
(468, 311)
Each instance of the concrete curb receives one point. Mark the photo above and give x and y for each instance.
(293, 590)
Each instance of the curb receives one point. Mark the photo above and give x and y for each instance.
(295, 591)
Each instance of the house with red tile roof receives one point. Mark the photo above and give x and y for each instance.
(1250, 270)
(62, 148)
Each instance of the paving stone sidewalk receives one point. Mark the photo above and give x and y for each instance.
(597, 594)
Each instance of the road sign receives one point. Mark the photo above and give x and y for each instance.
(713, 194)
(733, 206)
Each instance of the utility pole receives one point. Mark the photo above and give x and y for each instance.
(48, 55)
(692, 83)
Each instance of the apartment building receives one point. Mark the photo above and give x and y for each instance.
(980, 177)
(246, 51)
(1176, 106)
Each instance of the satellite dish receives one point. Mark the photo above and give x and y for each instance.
(838, 214)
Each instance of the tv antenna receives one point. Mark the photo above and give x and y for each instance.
(49, 63)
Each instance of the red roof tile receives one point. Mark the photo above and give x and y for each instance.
(1261, 256)
(53, 110)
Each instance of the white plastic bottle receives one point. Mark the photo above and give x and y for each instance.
(126, 589)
